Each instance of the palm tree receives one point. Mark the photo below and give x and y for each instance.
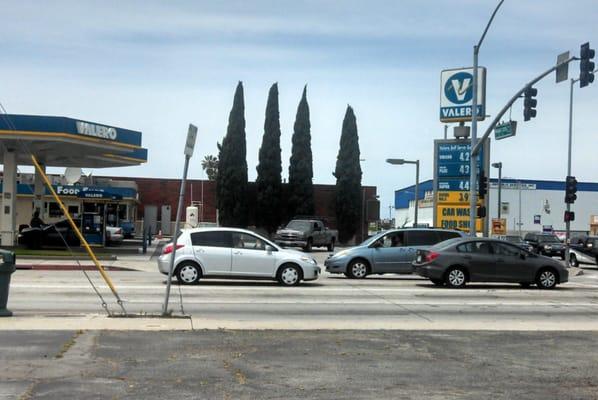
(210, 166)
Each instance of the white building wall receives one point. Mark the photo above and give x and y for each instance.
(533, 202)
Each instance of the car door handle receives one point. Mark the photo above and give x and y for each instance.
(237, 252)
(201, 251)
(500, 260)
(467, 257)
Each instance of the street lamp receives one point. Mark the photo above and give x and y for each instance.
(499, 166)
(474, 128)
(400, 161)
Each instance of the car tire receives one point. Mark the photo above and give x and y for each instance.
(547, 278)
(331, 245)
(437, 282)
(289, 275)
(455, 277)
(358, 269)
(573, 260)
(188, 273)
(309, 245)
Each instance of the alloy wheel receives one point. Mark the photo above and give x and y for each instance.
(289, 276)
(456, 278)
(359, 270)
(547, 279)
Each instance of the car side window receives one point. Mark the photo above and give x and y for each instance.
(421, 238)
(248, 242)
(211, 239)
(446, 235)
(506, 250)
(475, 247)
(394, 239)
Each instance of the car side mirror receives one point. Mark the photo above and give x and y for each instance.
(523, 256)
(269, 249)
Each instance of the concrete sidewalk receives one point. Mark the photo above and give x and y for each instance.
(139, 262)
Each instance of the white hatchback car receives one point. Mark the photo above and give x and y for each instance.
(235, 253)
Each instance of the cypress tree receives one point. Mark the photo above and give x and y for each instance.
(301, 191)
(232, 167)
(269, 169)
(348, 180)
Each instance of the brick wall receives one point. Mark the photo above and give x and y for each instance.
(163, 191)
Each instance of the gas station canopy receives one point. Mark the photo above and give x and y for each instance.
(67, 142)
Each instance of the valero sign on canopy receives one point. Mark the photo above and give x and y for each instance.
(456, 94)
(451, 183)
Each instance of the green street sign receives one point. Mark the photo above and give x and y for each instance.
(505, 130)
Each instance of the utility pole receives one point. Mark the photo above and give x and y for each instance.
(189, 145)
(474, 130)
(499, 166)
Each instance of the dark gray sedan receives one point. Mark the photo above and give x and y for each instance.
(455, 262)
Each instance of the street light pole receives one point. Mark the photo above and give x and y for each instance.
(400, 161)
(474, 130)
(416, 191)
(499, 166)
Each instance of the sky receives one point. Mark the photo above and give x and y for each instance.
(156, 66)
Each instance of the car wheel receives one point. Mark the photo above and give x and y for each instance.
(289, 275)
(455, 277)
(358, 269)
(546, 279)
(331, 245)
(437, 282)
(309, 245)
(573, 260)
(188, 273)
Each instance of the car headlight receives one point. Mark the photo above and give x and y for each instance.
(309, 260)
(547, 246)
(341, 253)
(590, 245)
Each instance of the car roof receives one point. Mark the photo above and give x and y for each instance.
(217, 229)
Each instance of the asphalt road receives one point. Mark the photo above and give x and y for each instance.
(222, 364)
(332, 302)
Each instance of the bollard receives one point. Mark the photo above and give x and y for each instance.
(149, 236)
(7, 267)
(144, 240)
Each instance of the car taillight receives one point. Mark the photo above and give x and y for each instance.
(431, 256)
(119, 231)
(168, 248)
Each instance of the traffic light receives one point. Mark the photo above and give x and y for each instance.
(529, 103)
(569, 216)
(570, 190)
(481, 211)
(482, 184)
(586, 66)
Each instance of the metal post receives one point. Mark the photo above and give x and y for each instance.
(416, 190)
(474, 129)
(175, 234)
(474, 135)
(499, 189)
(362, 213)
(568, 223)
(519, 185)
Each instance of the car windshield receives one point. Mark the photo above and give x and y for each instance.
(514, 239)
(299, 225)
(548, 239)
(372, 239)
(445, 244)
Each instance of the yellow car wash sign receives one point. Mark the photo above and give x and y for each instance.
(455, 216)
(452, 211)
